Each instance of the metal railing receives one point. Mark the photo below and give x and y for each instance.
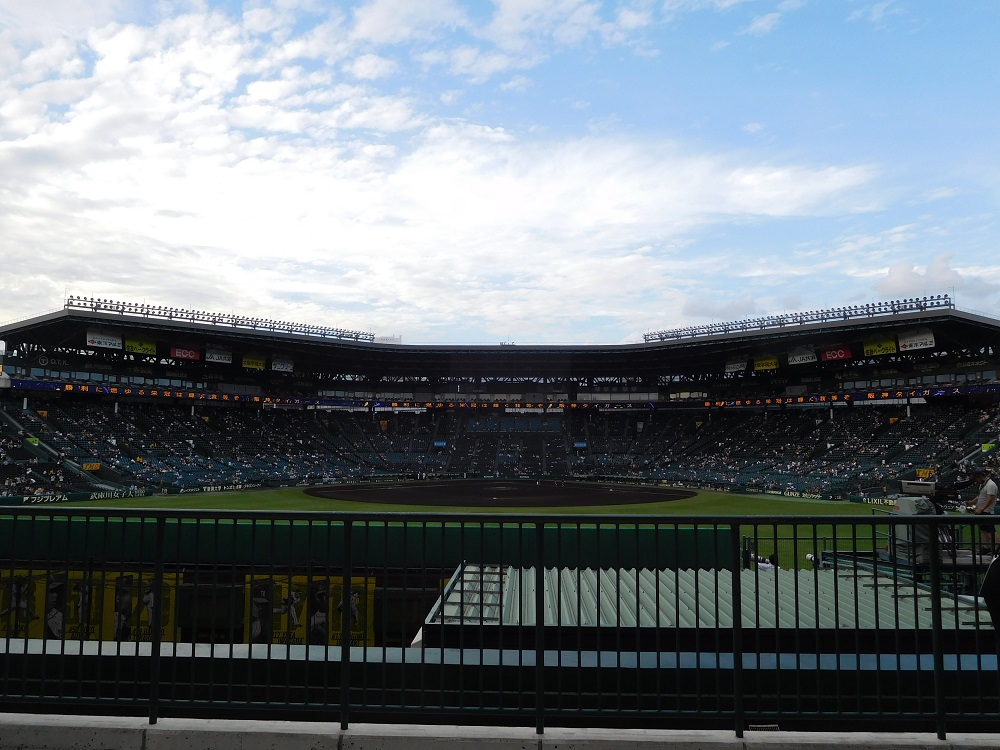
(525, 620)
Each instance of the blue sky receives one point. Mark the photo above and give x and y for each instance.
(528, 171)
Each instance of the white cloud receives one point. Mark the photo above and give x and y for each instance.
(763, 24)
(904, 279)
(371, 67)
(517, 83)
(291, 161)
(875, 13)
(391, 22)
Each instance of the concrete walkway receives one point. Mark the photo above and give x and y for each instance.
(35, 732)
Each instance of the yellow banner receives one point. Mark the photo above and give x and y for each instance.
(77, 605)
(91, 467)
(128, 607)
(254, 363)
(766, 362)
(925, 473)
(303, 610)
(875, 347)
(140, 346)
(987, 447)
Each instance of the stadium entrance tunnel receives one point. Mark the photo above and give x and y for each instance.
(500, 493)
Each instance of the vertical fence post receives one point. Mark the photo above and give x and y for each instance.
(345, 627)
(936, 634)
(539, 626)
(156, 616)
(736, 561)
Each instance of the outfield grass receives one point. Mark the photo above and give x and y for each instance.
(703, 504)
(782, 538)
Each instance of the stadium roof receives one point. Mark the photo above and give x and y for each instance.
(691, 352)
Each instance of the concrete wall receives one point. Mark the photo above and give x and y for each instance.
(35, 732)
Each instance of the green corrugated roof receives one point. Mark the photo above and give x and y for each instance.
(697, 598)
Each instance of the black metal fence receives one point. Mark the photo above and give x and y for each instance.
(500, 620)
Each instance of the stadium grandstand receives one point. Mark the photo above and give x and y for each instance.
(106, 395)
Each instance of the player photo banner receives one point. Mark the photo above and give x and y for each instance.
(302, 610)
(920, 338)
(82, 607)
(22, 602)
(129, 599)
(360, 603)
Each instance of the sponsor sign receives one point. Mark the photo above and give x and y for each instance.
(184, 352)
(800, 355)
(53, 362)
(281, 365)
(765, 362)
(91, 467)
(877, 347)
(219, 355)
(253, 363)
(140, 346)
(103, 340)
(836, 354)
(736, 365)
(919, 338)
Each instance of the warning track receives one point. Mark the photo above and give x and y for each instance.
(511, 493)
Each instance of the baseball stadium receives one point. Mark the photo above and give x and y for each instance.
(764, 526)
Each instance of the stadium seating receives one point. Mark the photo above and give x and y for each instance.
(79, 445)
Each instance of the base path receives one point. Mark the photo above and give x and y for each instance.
(512, 493)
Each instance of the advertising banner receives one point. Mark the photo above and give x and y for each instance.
(281, 365)
(738, 365)
(800, 355)
(253, 362)
(103, 340)
(876, 347)
(765, 362)
(219, 355)
(140, 346)
(184, 352)
(919, 338)
(836, 353)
